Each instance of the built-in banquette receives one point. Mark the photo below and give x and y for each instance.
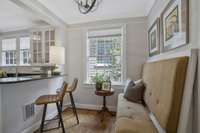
(164, 81)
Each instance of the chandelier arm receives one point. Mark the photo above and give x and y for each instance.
(89, 9)
(77, 2)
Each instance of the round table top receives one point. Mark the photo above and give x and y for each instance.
(104, 92)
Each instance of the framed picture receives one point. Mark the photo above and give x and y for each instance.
(106, 86)
(175, 25)
(154, 38)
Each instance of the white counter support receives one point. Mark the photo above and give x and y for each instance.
(15, 96)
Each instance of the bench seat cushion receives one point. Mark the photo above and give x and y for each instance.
(126, 125)
(132, 118)
(129, 109)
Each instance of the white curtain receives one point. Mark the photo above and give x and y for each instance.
(9, 44)
(190, 118)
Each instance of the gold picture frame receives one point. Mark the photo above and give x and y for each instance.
(175, 25)
(154, 38)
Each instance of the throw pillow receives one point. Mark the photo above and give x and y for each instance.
(135, 93)
(129, 84)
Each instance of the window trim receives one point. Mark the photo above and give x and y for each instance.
(17, 36)
(123, 27)
(7, 38)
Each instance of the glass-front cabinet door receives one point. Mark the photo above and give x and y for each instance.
(49, 41)
(37, 47)
(41, 42)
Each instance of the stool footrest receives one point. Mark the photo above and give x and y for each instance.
(53, 119)
(46, 130)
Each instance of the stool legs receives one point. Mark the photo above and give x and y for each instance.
(60, 116)
(61, 106)
(73, 107)
(43, 118)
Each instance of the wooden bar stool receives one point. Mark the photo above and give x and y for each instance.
(49, 99)
(69, 90)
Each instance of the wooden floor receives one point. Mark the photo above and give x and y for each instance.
(90, 122)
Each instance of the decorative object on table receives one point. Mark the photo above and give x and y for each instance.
(57, 57)
(104, 94)
(175, 25)
(3, 74)
(106, 86)
(98, 79)
(86, 6)
(154, 38)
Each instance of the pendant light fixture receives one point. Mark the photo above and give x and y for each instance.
(86, 6)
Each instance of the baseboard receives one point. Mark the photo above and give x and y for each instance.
(93, 107)
(36, 125)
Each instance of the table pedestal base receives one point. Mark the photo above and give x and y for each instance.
(104, 109)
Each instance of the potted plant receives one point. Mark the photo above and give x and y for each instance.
(98, 79)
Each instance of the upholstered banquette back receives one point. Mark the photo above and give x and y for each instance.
(164, 81)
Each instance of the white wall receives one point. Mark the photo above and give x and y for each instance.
(185, 50)
(76, 53)
(61, 39)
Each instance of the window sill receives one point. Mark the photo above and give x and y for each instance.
(114, 85)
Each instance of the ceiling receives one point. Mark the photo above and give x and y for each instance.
(67, 10)
(14, 18)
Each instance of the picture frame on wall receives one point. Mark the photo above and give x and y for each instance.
(175, 25)
(154, 38)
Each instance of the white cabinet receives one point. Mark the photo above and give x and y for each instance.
(37, 47)
(41, 41)
(49, 41)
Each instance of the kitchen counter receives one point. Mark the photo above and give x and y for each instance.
(18, 93)
(11, 80)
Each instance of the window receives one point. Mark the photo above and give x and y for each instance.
(9, 51)
(105, 54)
(24, 50)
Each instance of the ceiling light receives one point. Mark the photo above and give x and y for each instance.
(86, 6)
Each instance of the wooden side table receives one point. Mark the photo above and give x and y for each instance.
(104, 94)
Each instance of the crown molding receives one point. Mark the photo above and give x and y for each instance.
(38, 9)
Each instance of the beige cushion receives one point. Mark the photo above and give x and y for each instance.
(130, 110)
(126, 125)
(164, 81)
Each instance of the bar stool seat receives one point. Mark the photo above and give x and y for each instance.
(50, 99)
(47, 99)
